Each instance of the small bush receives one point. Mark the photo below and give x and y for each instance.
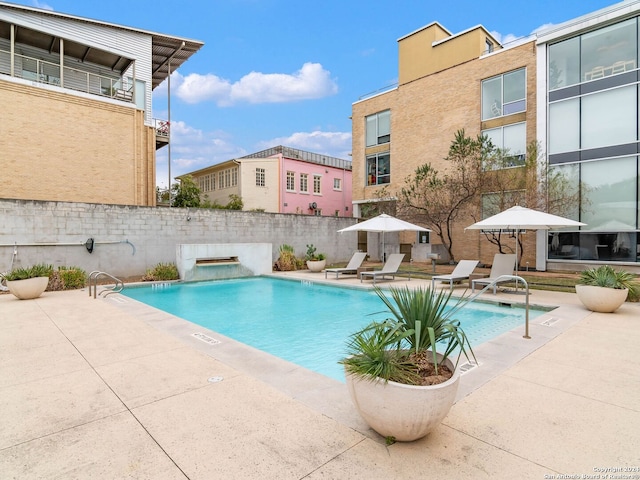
(161, 272)
(72, 277)
(287, 260)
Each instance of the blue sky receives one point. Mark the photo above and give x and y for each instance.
(286, 72)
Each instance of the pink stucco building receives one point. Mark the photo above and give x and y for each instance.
(281, 180)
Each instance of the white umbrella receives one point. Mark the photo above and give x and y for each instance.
(520, 218)
(384, 223)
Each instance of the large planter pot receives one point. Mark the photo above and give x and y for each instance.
(316, 265)
(28, 288)
(601, 299)
(406, 412)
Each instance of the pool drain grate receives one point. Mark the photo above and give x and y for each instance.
(205, 338)
(550, 321)
(466, 367)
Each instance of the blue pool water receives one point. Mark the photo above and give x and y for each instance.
(305, 323)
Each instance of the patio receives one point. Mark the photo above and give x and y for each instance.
(111, 388)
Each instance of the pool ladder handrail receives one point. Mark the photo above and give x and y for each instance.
(503, 278)
(93, 280)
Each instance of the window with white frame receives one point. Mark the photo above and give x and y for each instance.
(512, 139)
(291, 181)
(378, 128)
(504, 94)
(234, 177)
(260, 177)
(337, 184)
(317, 179)
(304, 183)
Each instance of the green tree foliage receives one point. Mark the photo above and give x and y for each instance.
(438, 199)
(186, 193)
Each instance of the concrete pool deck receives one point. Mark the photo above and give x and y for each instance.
(111, 388)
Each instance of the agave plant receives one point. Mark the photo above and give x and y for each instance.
(22, 273)
(421, 323)
(606, 276)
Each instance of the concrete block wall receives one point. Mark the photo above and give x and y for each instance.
(129, 239)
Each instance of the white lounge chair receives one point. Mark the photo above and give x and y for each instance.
(351, 268)
(390, 268)
(461, 272)
(503, 264)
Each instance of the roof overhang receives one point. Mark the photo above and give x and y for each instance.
(165, 49)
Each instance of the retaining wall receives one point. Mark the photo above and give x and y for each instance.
(129, 239)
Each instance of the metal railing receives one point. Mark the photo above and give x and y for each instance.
(42, 71)
(504, 278)
(108, 290)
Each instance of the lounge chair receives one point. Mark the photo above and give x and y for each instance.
(351, 268)
(390, 268)
(461, 272)
(503, 264)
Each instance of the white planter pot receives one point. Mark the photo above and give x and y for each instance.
(601, 299)
(316, 265)
(406, 412)
(28, 288)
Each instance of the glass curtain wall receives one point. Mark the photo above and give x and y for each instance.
(593, 137)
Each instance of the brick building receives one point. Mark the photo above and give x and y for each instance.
(76, 122)
(442, 79)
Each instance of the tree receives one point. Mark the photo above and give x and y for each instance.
(530, 182)
(186, 193)
(438, 199)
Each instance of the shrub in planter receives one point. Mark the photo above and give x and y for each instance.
(603, 289)
(401, 373)
(28, 282)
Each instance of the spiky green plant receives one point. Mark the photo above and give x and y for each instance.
(421, 322)
(607, 276)
(22, 273)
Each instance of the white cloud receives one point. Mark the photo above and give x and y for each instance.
(193, 149)
(311, 81)
(44, 6)
(335, 144)
(504, 39)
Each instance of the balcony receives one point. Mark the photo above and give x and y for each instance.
(162, 132)
(41, 71)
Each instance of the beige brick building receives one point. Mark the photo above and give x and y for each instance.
(440, 91)
(76, 122)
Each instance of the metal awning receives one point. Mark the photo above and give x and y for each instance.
(164, 47)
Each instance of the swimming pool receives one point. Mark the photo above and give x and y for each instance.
(302, 322)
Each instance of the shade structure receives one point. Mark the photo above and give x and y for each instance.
(384, 223)
(520, 218)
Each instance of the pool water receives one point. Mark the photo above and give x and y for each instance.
(305, 323)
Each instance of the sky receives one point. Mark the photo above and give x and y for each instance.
(286, 72)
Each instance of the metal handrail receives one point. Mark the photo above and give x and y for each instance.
(503, 278)
(93, 279)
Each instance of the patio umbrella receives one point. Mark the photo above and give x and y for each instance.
(520, 218)
(384, 223)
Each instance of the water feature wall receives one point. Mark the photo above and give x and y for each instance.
(223, 260)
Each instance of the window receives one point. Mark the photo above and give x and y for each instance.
(316, 184)
(378, 169)
(597, 120)
(378, 128)
(304, 182)
(291, 181)
(512, 139)
(226, 178)
(337, 184)
(488, 46)
(609, 193)
(504, 94)
(260, 177)
(594, 55)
